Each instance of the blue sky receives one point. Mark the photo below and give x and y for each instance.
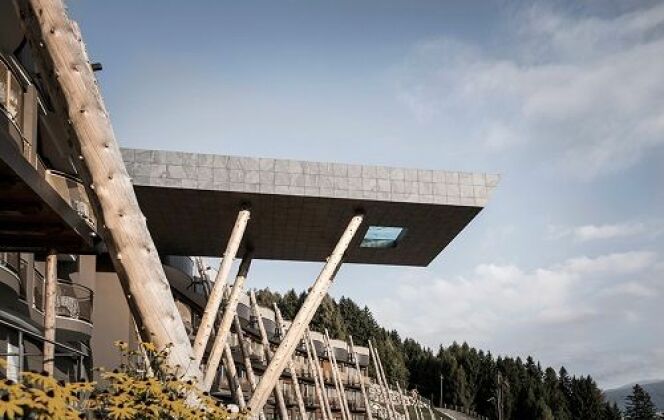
(566, 101)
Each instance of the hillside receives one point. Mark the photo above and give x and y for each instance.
(470, 376)
(655, 389)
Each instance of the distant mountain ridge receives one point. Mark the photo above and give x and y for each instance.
(654, 388)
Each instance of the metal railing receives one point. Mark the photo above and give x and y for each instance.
(12, 262)
(72, 191)
(11, 96)
(73, 300)
(62, 350)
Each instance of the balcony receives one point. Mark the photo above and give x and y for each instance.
(12, 272)
(73, 301)
(72, 191)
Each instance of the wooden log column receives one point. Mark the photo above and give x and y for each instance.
(381, 384)
(233, 380)
(337, 378)
(246, 358)
(319, 385)
(278, 393)
(63, 63)
(359, 372)
(304, 316)
(217, 293)
(387, 384)
(226, 322)
(50, 296)
(291, 367)
(403, 402)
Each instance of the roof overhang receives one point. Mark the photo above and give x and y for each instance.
(299, 209)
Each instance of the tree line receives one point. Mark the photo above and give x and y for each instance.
(471, 378)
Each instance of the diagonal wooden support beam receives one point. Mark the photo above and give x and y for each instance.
(233, 380)
(387, 384)
(304, 316)
(359, 372)
(319, 370)
(291, 366)
(317, 382)
(72, 87)
(216, 295)
(381, 384)
(403, 402)
(226, 322)
(345, 412)
(278, 393)
(246, 358)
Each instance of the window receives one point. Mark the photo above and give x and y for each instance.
(382, 237)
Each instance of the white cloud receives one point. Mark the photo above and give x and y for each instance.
(587, 92)
(508, 309)
(593, 232)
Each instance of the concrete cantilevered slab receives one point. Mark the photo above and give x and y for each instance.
(299, 209)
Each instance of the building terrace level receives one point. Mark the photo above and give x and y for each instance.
(299, 209)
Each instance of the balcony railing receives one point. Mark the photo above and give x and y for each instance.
(12, 262)
(73, 300)
(72, 191)
(11, 96)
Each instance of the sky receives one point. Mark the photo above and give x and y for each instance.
(564, 99)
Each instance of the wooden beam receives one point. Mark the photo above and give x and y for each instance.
(381, 384)
(216, 295)
(319, 384)
(246, 358)
(233, 380)
(50, 296)
(65, 67)
(387, 384)
(314, 354)
(304, 316)
(359, 372)
(291, 366)
(278, 393)
(403, 402)
(225, 325)
(345, 412)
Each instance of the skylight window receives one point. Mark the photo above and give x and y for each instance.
(382, 237)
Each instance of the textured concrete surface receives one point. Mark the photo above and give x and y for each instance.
(299, 209)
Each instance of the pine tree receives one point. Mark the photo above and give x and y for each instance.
(639, 405)
(612, 412)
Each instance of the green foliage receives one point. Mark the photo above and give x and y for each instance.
(132, 392)
(639, 405)
(469, 375)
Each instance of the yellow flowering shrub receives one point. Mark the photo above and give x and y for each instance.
(142, 388)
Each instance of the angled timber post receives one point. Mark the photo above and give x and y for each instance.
(403, 402)
(226, 320)
(72, 86)
(359, 372)
(216, 295)
(314, 354)
(304, 316)
(317, 386)
(278, 393)
(387, 384)
(50, 296)
(381, 384)
(233, 380)
(246, 359)
(336, 376)
(291, 366)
